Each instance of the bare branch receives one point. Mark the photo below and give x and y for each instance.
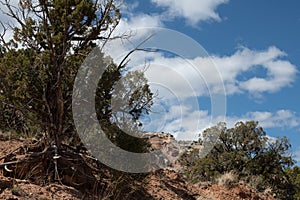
(12, 13)
(124, 62)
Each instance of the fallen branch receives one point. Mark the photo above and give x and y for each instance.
(10, 153)
(11, 163)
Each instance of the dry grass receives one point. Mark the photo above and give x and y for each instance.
(228, 179)
(268, 190)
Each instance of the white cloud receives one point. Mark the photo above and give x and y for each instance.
(285, 119)
(193, 11)
(279, 119)
(138, 21)
(178, 76)
(182, 121)
(186, 123)
(280, 73)
(205, 76)
(133, 29)
(297, 155)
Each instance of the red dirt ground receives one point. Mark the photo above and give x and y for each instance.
(166, 185)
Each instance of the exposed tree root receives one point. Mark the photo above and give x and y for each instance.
(71, 166)
(66, 165)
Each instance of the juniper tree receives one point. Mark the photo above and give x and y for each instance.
(39, 64)
(38, 67)
(246, 150)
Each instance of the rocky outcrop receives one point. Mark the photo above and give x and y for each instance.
(170, 147)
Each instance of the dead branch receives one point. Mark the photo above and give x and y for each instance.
(10, 153)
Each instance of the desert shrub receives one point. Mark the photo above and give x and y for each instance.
(247, 150)
(294, 176)
(228, 179)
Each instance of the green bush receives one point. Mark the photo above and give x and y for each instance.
(294, 176)
(246, 150)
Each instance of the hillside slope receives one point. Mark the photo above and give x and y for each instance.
(163, 184)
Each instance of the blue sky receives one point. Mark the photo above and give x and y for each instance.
(255, 46)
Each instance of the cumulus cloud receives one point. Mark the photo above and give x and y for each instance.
(186, 123)
(280, 73)
(133, 22)
(133, 29)
(281, 118)
(182, 121)
(204, 75)
(278, 119)
(297, 155)
(194, 11)
(178, 75)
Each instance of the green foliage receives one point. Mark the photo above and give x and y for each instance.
(54, 38)
(294, 176)
(246, 150)
(120, 101)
